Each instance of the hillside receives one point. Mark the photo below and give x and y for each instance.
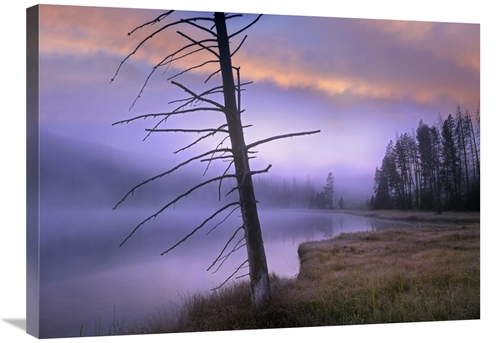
(75, 173)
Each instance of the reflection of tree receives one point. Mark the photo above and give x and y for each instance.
(325, 225)
(341, 222)
(294, 225)
(378, 225)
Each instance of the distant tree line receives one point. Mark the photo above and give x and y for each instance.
(282, 192)
(292, 192)
(435, 168)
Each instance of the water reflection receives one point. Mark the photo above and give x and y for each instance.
(306, 225)
(284, 230)
(85, 276)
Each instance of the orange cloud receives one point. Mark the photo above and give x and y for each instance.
(440, 45)
(80, 31)
(454, 42)
(88, 31)
(328, 82)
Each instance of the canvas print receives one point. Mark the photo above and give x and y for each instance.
(207, 171)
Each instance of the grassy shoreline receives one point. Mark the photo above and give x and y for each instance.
(423, 216)
(399, 275)
(448, 217)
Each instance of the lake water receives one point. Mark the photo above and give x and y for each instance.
(87, 279)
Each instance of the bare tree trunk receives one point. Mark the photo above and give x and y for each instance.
(462, 144)
(474, 140)
(257, 262)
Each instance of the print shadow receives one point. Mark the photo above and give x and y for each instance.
(18, 323)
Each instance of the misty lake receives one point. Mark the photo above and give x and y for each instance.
(87, 279)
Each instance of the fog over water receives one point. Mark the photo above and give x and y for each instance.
(87, 279)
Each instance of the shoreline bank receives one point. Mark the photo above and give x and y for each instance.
(411, 216)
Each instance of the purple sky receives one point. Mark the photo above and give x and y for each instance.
(360, 81)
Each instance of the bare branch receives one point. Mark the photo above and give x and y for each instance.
(170, 171)
(225, 247)
(201, 225)
(261, 171)
(251, 173)
(211, 91)
(213, 158)
(199, 97)
(241, 276)
(238, 88)
(171, 58)
(182, 21)
(246, 27)
(210, 160)
(239, 46)
(179, 109)
(141, 44)
(281, 137)
(152, 22)
(190, 130)
(200, 139)
(200, 43)
(175, 201)
(167, 114)
(231, 190)
(230, 276)
(210, 76)
(221, 157)
(167, 61)
(223, 220)
(192, 68)
(224, 258)
(194, 143)
(233, 16)
(190, 21)
(225, 172)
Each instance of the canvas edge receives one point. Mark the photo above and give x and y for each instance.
(32, 173)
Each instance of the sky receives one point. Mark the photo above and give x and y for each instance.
(12, 140)
(359, 81)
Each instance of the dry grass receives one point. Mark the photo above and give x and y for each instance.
(390, 276)
(395, 275)
(410, 275)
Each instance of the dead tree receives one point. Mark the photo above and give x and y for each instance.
(217, 45)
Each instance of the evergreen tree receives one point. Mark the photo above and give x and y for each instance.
(328, 190)
(341, 203)
(434, 168)
(450, 171)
